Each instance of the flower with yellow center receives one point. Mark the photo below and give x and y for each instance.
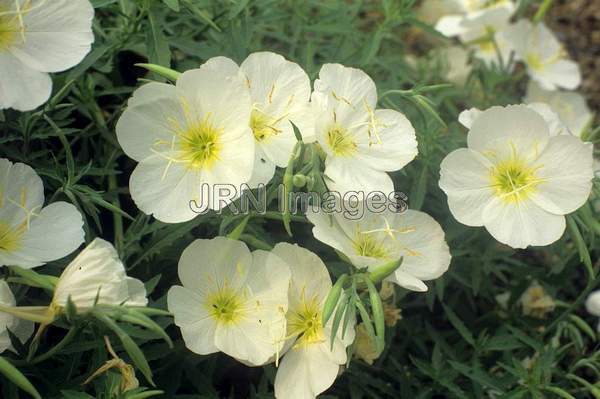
(31, 234)
(21, 328)
(377, 238)
(37, 37)
(188, 138)
(516, 178)
(309, 365)
(232, 300)
(280, 93)
(547, 62)
(361, 143)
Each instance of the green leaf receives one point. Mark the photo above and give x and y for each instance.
(157, 45)
(17, 378)
(459, 325)
(172, 4)
(378, 315)
(134, 352)
(333, 298)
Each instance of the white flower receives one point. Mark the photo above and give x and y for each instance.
(97, 276)
(455, 64)
(310, 365)
(231, 301)
(187, 138)
(361, 143)
(515, 178)
(546, 59)
(37, 37)
(570, 106)
(29, 234)
(592, 305)
(280, 94)
(461, 12)
(21, 328)
(483, 33)
(377, 238)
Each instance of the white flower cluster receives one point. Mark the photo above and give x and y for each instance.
(224, 124)
(484, 28)
(524, 169)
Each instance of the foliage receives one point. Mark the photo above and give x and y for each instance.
(457, 340)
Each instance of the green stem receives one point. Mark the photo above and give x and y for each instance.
(117, 218)
(57, 348)
(541, 12)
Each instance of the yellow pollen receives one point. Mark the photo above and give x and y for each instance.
(9, 29)
(513, 180)
(263, 127)
(305, 322)
(225, 306)
(199, 145)
(534, 61)
(10, 237)
(340, 142)
(366, 244)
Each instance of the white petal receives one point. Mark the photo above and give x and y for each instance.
(305, 372)
(21, 328)
(464, 177)
(96, 273)
(136, 292)
(21, 87)
(165, 190)
(562, 73)
(21, 192)
(197, 327)
(222, 65)
(346, 174)
(308, 272)
(350, 92)
(264, 169)
(592, 303)
(408, 281)
(566, 171)
(468, 116)
(55, 233)
(499, 131)
(275, 82)
(208, 263)
(450, 25)
(522, 223)
(222, 98)
(555, 125)
(152, 114)
(570, 106)
(392, 143)
(58, 34)
(422, 246)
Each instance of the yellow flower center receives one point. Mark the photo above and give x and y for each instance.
(514, 180)
(340, 142)
(534, 61)
(10, 238)
(199, 145)
(305, 322)
(263, 127)
(9, 29)
(366, 244)
(225, 306)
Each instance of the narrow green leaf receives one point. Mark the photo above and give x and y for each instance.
(134, 352)
(333, 298)
(168, 73)
(459, 325)
(17, 378)
(239, 229)
(378, 315)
